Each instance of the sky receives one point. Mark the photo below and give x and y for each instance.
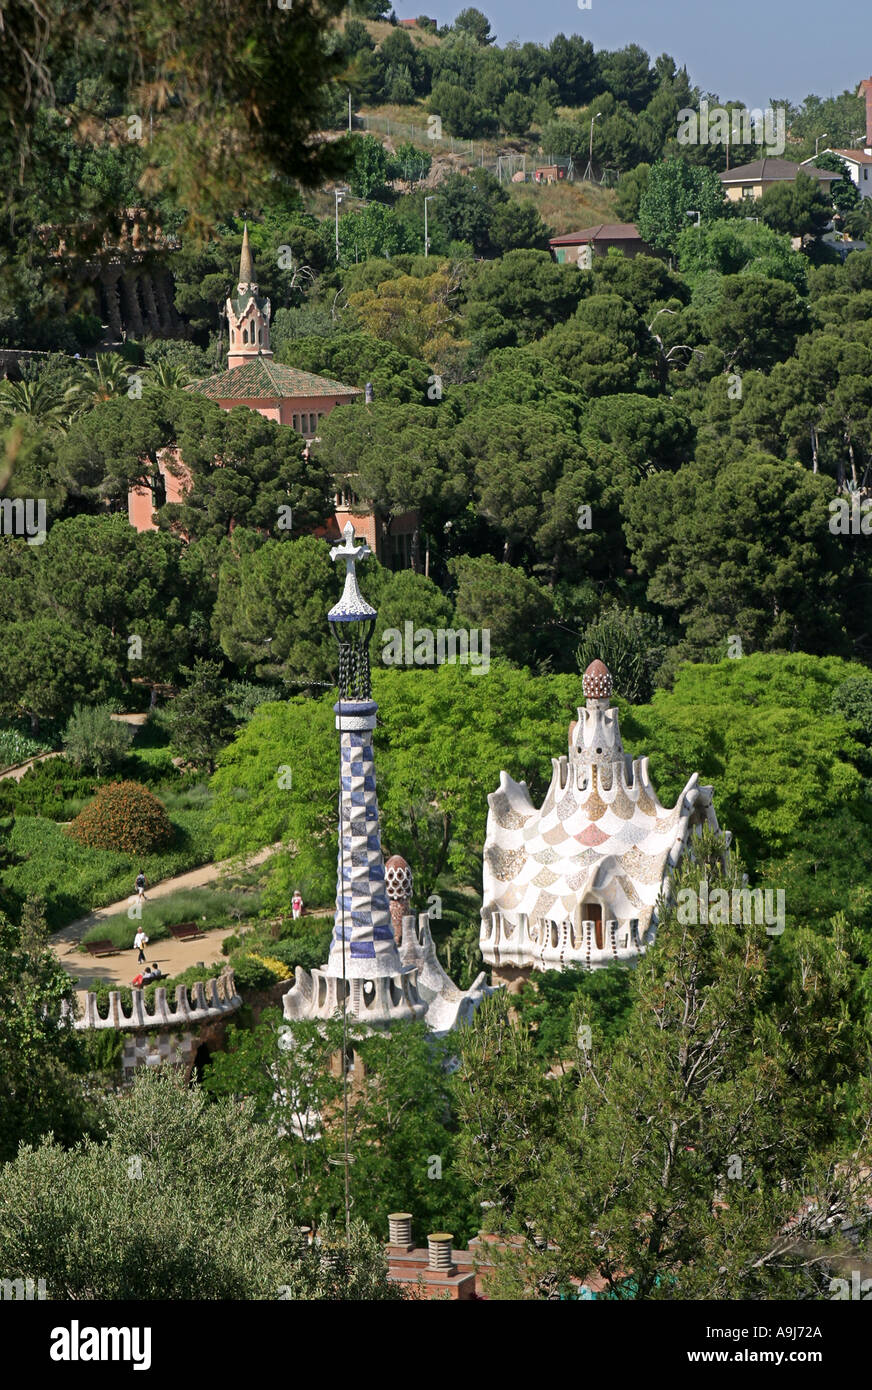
(744, 50)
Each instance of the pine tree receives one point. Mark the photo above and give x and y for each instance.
(719, 1148)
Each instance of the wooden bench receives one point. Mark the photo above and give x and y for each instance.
(186, 931)
(101, 948)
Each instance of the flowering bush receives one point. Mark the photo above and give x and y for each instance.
(123, 816)
(253, 972)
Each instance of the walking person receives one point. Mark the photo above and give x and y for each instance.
(140, 941)
(296, 904)
(140, 885)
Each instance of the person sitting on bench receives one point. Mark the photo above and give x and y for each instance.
(151, 974)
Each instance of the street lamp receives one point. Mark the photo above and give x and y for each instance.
(817, 140)
(338, 196)
(427, 200)
(693, 213)
(588, 173)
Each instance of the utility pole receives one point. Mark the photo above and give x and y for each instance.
(427, 200)
(338, 196)
(349, 110)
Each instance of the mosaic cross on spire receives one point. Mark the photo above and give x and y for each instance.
(352, 620)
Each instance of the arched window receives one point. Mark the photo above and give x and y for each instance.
(245, 335)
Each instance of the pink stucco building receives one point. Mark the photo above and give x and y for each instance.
(284, 394)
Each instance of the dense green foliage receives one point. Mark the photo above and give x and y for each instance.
(42, 1054)
(676, 1152)
(227, 1232)
(639, 461)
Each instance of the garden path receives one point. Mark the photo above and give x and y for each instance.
(172, 956)
(19, 771)
(135, 720)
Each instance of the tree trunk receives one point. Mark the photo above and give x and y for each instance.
(854, 478)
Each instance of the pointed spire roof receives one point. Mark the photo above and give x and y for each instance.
(246, 265)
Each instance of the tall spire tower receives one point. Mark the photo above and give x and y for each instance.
(248, 314)
(364, 966)
(363, 919)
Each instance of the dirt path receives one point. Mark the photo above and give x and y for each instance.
(172, 956)
(19, 771)
(135, 721)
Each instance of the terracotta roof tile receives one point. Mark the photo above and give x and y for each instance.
(262, 379)
(603, 231)
(858, 156)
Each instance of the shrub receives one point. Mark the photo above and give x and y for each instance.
(253, 972)
(93, 740)
(277, 966)
(103, 1047)
(44, 789)
(308, 951)
(243, 698)
(123, 816)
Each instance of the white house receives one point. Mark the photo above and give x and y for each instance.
(859, 163)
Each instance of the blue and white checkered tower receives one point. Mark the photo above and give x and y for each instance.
(367, 974)
(363, 920)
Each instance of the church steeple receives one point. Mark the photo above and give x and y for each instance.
(246, 266)
(247, 314)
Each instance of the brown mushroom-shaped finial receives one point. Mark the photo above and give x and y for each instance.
(596, 681)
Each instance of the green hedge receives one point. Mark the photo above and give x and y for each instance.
(48, 788)
(45, 788)
(305, 942)
(309, 950)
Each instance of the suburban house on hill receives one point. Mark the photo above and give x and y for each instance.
(288, 396)
(859, 164)
(752, 180)
(579, 248)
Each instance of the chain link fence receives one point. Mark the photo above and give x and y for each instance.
(418, 134)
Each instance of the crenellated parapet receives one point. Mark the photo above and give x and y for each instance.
(556, 945)
(379, 1000)
(206, 1000)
